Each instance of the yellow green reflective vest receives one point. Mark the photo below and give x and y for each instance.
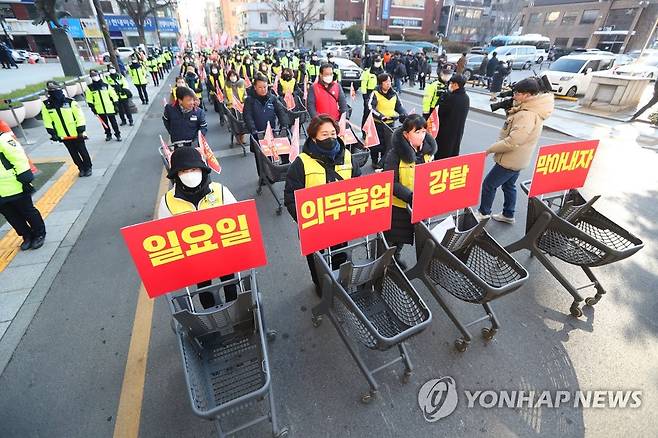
(13, 161)
(64, 120)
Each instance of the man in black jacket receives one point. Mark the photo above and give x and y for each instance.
(452, 118)
(183, 119)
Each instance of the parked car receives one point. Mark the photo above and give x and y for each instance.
(35, 57)
(124, 53)
(622, 59)
(473, 62)
(635, 54)
(350, 72)
(425, 45)
(17, 57)
(478, 50)
(522, 57)
(646, 67)
(572, 74)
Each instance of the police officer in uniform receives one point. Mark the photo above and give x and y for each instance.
(325, 159)
(65, 122)
(193, 190)
(102, 101)
(152, 64)
(436, 92)
(16, 192)
(183, 119)
(368, 85)
(139, 77)
(120, 85)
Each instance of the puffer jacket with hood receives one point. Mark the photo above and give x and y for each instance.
(521, 131)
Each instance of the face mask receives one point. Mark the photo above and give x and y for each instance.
(327, 79)
(287, 77)
(191, 179)
(233, 79)
(445, 78)
(95, 78)
(247, 62)
(378, 64)
(326, 144)
(214, 71)
(315, 58)
(112, 71)
(330, 60)
(57, 95)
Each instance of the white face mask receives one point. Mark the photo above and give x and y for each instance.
(445, 78)
(112, 71)
(378, 64)
(191, 179)
(95, 78)
(328, 79)
(214, 71)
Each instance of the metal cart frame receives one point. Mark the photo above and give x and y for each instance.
(224, 353)
(236, 126)
(269, 173)
(373, 302)
(471, 266)
(566, 226)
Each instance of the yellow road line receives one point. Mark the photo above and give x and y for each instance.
(132, 388)
(9, 244)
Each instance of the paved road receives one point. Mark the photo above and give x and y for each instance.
(65, 377)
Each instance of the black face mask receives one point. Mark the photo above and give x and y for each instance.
(326, 144)
(56, 96)
(287, 77)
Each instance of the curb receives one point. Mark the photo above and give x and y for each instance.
(19, 325)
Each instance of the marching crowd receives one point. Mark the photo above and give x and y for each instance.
(271, 88)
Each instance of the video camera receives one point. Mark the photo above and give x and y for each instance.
(541, 84)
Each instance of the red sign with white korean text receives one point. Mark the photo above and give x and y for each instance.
(343, 210)
(182, 250)
(447, 185)
(562, 166)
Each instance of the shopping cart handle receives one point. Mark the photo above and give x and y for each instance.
(525, 186)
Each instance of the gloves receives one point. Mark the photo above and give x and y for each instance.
(402, 118)
(55, 138)
(25, 177)
(81, 129)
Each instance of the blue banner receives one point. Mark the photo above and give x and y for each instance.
(123, 23)
(386, 10)
(74, 28)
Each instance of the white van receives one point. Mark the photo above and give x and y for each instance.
(522, 57)
(571, 75)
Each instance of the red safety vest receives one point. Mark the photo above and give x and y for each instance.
(326, 101)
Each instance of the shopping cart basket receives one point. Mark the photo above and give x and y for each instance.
(371, 300)
(224, 354)
(468, 264)
(237, 127)
(567, 227)
(270, 171)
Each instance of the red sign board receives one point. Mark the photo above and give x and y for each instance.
(447, 185)
(562, 166)
(343, 210)
(190, 248)
(281, 144)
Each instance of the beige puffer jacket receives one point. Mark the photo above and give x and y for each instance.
(521, 132)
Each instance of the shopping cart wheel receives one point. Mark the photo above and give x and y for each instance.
(368, 397)
(461, 345)
(406, 377)
(279, 211)
(316, 320)
(282, 432)
(590, 301)
(488, 333)
(575, 310)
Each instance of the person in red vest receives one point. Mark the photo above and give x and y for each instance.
(326, 96)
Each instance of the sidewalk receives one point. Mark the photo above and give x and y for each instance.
(27, 74)
(570, 121)
(68, 202)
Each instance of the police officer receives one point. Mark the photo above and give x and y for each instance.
(152, 65)
(193, 190)
(120, 85)
(139, 76)
(102, 100)
(436, 92)
(325, 159)
(16, 192)
(313, 68)
(386, 107)
(65, 122)
(368, 85)
(183, 119)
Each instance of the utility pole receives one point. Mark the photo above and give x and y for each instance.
(106, 33)
(155, 23)
(365, 21)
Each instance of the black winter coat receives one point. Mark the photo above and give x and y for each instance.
(492, 65)
(296, 177)
(452, 118)
(402, 230)
(259, 111)
(498, 78)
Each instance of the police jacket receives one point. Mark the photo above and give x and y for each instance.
(15, 173)
(184, 126)
(65, 120)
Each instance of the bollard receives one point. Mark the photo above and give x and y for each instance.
(26, 141)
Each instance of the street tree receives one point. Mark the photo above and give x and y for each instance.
(299, 15)
(140, 11)
(504, 18)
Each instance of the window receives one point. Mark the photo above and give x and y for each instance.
(569, 18)
(535, 18)
(477, 14)
(6, 11)
(321, 1)
(578, 43)
(551, 17)
(457, 29)
(589, 16)
(561, 42)
(469, 13)
(263, 18)
(593, 64)
(606, 64)
(322, 17)
(106, 7)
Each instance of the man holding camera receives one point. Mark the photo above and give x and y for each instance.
(513, 151)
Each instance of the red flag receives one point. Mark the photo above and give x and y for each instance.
(290, 101)
(247, 82)
(208, 155)
(223, 39)
(166, 152)
(235, 103)
(268, 140)
(372, 139)
(342, 124)
(34, 169)
(218, 92)
(352, 92)
(294, 142)
(275, 87)
(164, 101)
(102, 122)
(433, 123)
(305, 90)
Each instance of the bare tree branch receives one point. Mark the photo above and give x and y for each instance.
(140, 10)
(299, 15)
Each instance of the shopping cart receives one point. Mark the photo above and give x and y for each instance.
(237, 127)
(468, 264)
(224, 353)
(272, 165)
(567, 227)
(370, 299)
(353, 144)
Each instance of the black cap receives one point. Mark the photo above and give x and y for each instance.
(53, 85)
(527, 85)
(459, 80)
(186, 157)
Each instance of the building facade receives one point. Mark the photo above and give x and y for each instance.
(615, 25)
(462, 20)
